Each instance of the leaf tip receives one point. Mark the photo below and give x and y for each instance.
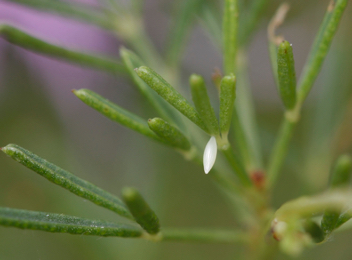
(195, 80)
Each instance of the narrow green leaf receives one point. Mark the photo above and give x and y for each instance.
(169, 134)
(341, 176)
(66, 180)
(227, 101)
(131, 62)
(202, 103)
(60, 223)
(114, 112)
(26, 41)
(276, 40)
(286, 75)
(230, 31)
(72, 10)
(167, 92)
(321, 47)
(141, 211)
(204, 235)
(179, 31)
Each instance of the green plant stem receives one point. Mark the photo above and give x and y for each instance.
(280, 150)
(26, 41)
(60, 223)
(246, 115)
(309, 206)
(312, 68)
(81, 12)
(241, 142)
(204, 235)
(67, 180)
(230, 33)
(236, 164)
(321, 47)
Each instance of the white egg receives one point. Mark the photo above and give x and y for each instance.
(209, 155)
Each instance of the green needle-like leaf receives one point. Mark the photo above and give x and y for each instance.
(276, 40)
(230, 31)
(286, 75)
(321, 47)
(66, 180)
(227, 101)
(60, 223)
(169, 134)
(131, 62)
(72, 10)
(114, 112)
(202, 103)
(26, 41)
(167, 92)
(141, 211)
(341, 176)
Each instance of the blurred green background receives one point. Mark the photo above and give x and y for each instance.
(39, 112)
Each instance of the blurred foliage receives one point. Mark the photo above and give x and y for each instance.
(179, 192)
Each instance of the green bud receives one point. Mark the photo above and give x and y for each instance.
(140, 210)
(169, 134)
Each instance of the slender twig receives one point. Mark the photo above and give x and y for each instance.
(312, 68)
(204, 235)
